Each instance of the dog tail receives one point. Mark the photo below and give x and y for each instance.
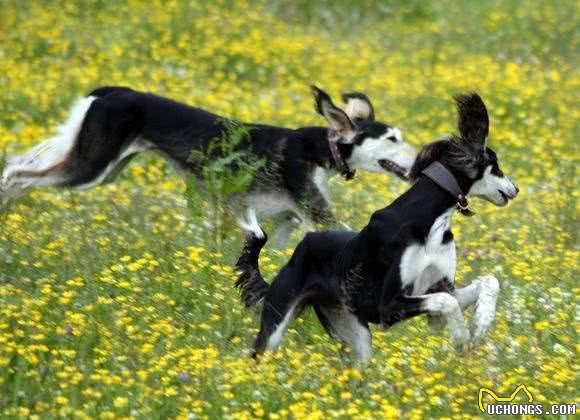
(252, 285)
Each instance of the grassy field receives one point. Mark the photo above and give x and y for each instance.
(113, 306)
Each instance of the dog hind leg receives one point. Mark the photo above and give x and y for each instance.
(274, 324)
(42, 165)
(345, 327)
(93, 150)
(108, 136)
(115, 170)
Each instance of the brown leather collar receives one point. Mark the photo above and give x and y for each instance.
(445, 179)
(339, 162)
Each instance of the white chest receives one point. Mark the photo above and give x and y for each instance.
(320, 179)
(423, 265)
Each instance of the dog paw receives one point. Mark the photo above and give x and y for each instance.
(436, 322)
(478, 333)
(461, 340)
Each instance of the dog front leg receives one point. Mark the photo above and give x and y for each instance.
(322, 215)
(444, 285)
(434, 304)
(314, 204)
(482, 292)
(284, 231)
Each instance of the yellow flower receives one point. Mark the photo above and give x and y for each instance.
(345, 395)
(121, 402)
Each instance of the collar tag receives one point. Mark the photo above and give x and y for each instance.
(463, 206)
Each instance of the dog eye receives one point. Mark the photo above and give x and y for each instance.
(495, 170)
(392, 138)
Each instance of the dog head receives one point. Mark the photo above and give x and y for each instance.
(356, 140)
(466, 155)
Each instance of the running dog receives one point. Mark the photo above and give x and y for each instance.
(110, 126)
(401, 264)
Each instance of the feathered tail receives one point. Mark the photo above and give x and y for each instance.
(252, 285)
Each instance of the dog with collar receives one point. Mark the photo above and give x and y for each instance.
(401, 264)
(112, 125)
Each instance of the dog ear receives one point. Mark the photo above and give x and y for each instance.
(426, 156)
(473, 120)
(339, 123)
(358, 106)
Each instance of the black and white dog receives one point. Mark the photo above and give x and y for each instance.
(109, 127)
(402, 264)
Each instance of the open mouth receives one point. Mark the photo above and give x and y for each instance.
(392, 167)
(340, 163)
(504, 196)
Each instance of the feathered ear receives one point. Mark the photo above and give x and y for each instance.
(473, 121)
(338, 122)
(358, 106)
(426, 156)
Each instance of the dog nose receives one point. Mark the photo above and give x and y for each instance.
(515, 186)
